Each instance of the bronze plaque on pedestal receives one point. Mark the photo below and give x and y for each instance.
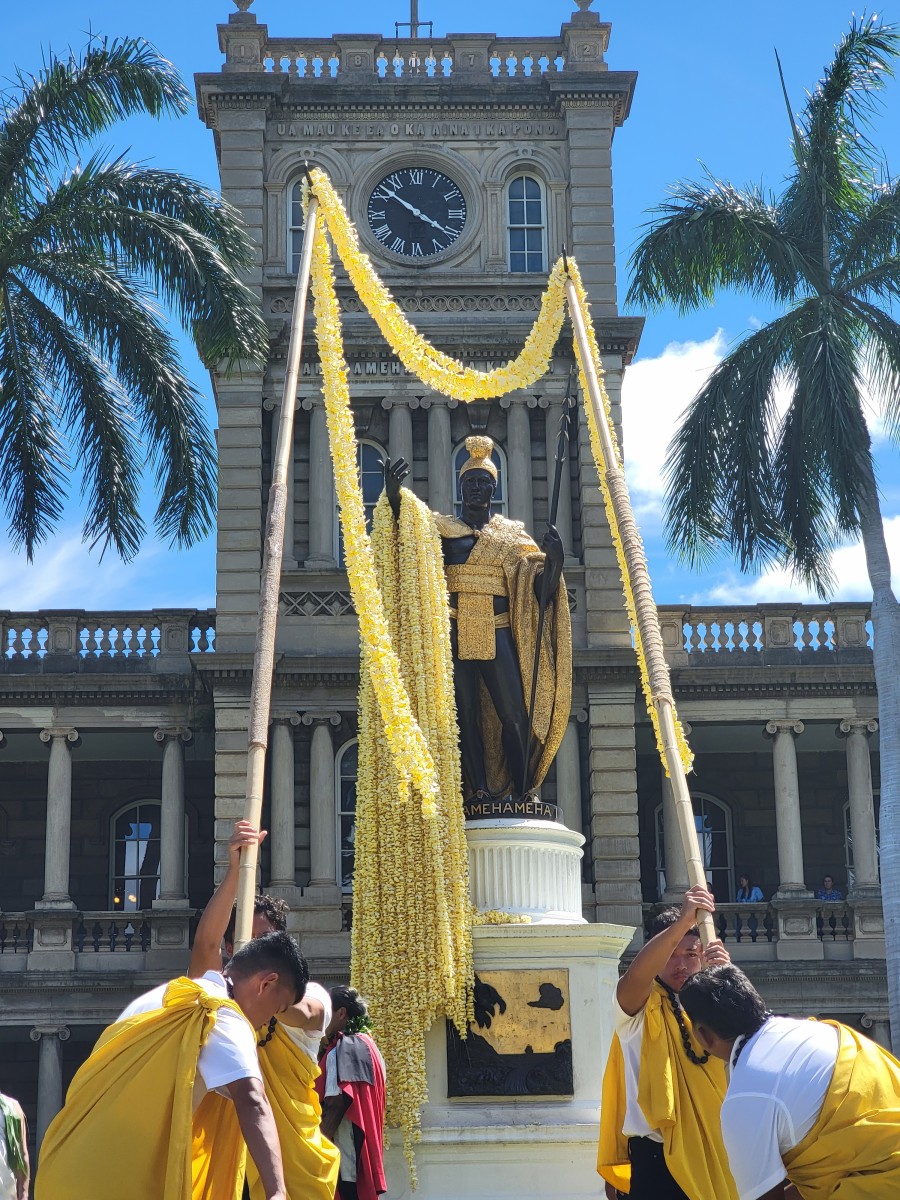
(520, 1043)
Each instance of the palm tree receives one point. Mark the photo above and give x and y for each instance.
(788, 488)
(91, 254)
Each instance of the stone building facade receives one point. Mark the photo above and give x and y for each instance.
(123, 761)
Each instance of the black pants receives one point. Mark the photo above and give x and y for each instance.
(348, 1190)
(650, 1177)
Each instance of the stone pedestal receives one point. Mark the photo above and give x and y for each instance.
(522, 1146)
(526, 867)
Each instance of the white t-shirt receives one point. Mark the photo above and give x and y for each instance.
(774, 1098)
(309, 1040)
(230, 1050)
(631, 1034)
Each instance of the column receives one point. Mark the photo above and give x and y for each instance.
(788, 827)
(281, 834)
(400, 433)
(518, 457)
(59, 818)
(568, 778)
(321, 491)
(172, 847)
(50, 1079)
(440, 453)
(288, 557)
(676, 864)
(564, 517)
(322, 827)
(862, 804)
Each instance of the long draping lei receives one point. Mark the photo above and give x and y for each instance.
(411, 870)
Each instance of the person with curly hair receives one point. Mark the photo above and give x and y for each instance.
(352, 1087)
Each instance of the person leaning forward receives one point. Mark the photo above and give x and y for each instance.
(160, 1107)
(813, 1101)
(660, 1137)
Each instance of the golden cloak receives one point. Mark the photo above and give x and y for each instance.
(853, 1150)
(681, 1099)
(127, 1122)
(506, 560)
(311, 1162)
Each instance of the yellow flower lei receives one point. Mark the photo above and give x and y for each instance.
(496, 916)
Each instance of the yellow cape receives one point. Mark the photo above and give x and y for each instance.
(127, 1123)
(310, 1161)
(679, 1098)
(853, 1150)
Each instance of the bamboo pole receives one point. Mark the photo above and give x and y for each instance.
(270, 582)
(647, 616)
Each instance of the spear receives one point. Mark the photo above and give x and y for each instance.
(645, 612)
(270, 581)
(561, 461)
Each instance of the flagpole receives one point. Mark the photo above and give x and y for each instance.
(647, 616)
(270, 581)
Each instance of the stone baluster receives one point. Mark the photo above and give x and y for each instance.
(862, 805)
(50, 1074)
(288, 556)
(564, 516)
(281, 838)
(59, 818)
(440, 454)
(171, 843)
(788, 825)
(400, 433)
(568, 778)
(322, 816)
(518, 457)
(321, 491)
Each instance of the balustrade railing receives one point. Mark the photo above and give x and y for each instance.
(16, 934)
(111, 933)
(150, 637)
(777, 632)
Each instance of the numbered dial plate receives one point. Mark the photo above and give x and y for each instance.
(417, 212)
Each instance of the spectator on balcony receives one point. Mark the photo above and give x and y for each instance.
(288, 1046)
(828, 891)
(172, 1091)
(748, 892)
(809, 1102)
(660, 1136)
(14, 1166)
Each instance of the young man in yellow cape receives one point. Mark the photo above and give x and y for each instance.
(659, 1118)
(288, 1045)
(160, 1107)
(812, 1102)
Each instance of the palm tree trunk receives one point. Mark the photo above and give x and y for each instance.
(886, 656)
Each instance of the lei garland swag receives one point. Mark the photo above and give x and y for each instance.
(412, 917)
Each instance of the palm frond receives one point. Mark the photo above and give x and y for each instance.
(709, 236)
(719, 481)
(31, 456)
(72, 101)
(874, 235)
(881, 355)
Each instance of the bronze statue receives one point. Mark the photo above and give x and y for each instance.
(494, 576)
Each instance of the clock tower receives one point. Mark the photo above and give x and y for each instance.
(466, 162)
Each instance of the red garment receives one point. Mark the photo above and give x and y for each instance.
(365, 1090)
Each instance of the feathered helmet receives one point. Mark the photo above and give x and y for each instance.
(480, 450)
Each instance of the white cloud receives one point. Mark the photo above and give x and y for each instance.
(66, 575)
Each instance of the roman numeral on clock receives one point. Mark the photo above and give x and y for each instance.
(398, 245)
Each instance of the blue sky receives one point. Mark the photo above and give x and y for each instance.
(707, 93)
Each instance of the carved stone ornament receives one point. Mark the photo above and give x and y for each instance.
(583, 5)
(244, 5)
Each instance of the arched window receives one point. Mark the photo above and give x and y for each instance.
(345, 803)
(526, 225)
(848, 838)
(135, 848)
(295, 227)
(369, 457)
(713, 821)
(499, 505)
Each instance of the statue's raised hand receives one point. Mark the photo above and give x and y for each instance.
(394, 474)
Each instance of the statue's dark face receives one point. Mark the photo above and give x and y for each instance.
(477, 489)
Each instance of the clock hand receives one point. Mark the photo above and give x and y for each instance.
(417, 212)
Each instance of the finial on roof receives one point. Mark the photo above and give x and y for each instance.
(583, 5)
(243, 5)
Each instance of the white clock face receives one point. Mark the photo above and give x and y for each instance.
(417, 212)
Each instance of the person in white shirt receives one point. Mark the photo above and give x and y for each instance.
(790, 1111)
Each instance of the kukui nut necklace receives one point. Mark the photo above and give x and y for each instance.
(273, 1021)
(699, 1060)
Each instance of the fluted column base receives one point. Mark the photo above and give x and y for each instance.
(532, 868)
